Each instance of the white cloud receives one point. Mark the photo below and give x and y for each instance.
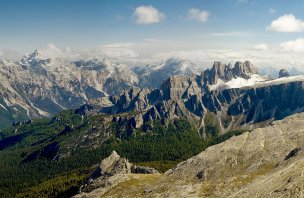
(198, 15)
(153, 51)
(274, 57)
(293, 46)
(52, 51)
(272, 11)
(147, 15)
(286, 23)
(118, 50)
(10, 54)
(203, 57)
(261, 47)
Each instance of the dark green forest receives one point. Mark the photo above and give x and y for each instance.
(30, 167)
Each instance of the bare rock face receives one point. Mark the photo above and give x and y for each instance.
(244, 70)
(283, 73)
(227, 72)
(114, 164)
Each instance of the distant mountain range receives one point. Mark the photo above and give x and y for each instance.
(40, 87)
(37, 86)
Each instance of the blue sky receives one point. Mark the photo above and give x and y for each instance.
(212, 25)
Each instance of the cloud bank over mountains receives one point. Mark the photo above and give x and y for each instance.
(286, 54)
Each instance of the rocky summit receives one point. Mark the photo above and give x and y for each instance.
(267, 162)
(227, 72)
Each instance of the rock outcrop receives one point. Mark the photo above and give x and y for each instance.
(110, 172)
(267, 162)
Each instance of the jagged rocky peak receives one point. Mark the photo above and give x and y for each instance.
(217, 71)
(93, 64)
(127, 95)
(133, 99)
(175, 86)
(99, 64)
(33, 57)
(283, 73)
(39, 58)
(113, 164)
(244, 70)
(226, 72)
(220, 69)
